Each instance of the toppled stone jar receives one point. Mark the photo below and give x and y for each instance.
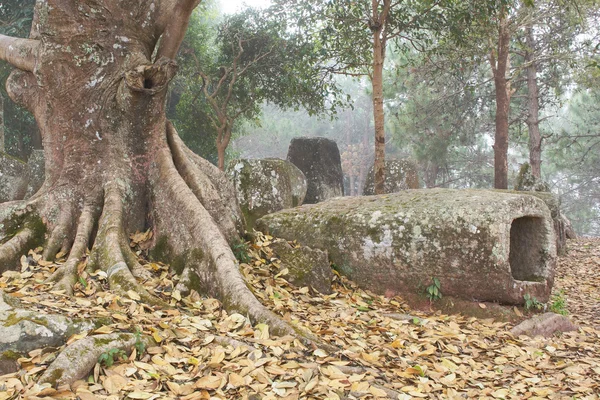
(481, 245)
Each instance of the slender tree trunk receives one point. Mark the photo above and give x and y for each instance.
(533, 117)
(378, 112)
(221, 156)
(500, 68)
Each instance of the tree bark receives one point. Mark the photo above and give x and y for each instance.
(500, 67)
(2, 145)
(533, 116)
(379, 43)
(114, 164)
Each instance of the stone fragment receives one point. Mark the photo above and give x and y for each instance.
(13, 178)
(399, 175)
(307, 267)
(319, 159)
(545, 325)
(265, 186)
(483, 245)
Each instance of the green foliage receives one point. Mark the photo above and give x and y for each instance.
(108, 358)
(230, 68)
(433, 291)
(531, 303)
(140, 345)
(558, 303)
(240, 250)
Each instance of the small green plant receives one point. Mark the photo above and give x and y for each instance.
(139, 345)
(531, 303)
(558, 303)
(434, 290)
(109, 357)
(240, 250)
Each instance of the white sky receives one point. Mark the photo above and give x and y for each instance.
(231, 6)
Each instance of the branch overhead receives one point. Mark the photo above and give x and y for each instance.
(20, 53)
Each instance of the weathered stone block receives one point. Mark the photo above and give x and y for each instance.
(13, 178)
(265, 186)
(319, 159)
(399, 175)
(306, 266)
(545, 325)
(482, 245)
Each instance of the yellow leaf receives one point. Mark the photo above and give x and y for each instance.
(208, 382)
(481, 305)
(320, 353)
(133, 295)
(377, 392)
(236, 380)
(114, 383)
(105, 329)
(140, 395)
(156, 336)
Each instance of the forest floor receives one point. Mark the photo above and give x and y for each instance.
(381, 353)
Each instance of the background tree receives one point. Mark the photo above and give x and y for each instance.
(257, 60)
(355, 35)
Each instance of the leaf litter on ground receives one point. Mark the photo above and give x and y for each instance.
(203, 352)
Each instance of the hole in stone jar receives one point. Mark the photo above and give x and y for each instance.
(528, 244)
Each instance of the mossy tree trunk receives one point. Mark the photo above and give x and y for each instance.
(94, 73)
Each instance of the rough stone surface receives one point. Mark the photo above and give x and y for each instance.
(399, 175)
(13, 178)
(319, 159)
(35, 172)
(265, 186)
(482, 245)
(545, 325)
(526, 182)
(569, 231)
(553, 203)
(307, 267)
(22, 331)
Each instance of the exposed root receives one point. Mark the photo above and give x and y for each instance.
(202, 184)
(66, 276)
(14, 248)
(78, 359)
(61, 236)
(220, 275)
(108, 254)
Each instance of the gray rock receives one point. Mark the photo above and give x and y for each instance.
(265, 186)
(22, 331)
(480, 244)
(319, 159)
(13, 178)
(307, 267)
(545, 325)
(399, 175)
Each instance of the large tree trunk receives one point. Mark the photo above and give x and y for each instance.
(500, 67)
(114, 164)
(533, 116)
